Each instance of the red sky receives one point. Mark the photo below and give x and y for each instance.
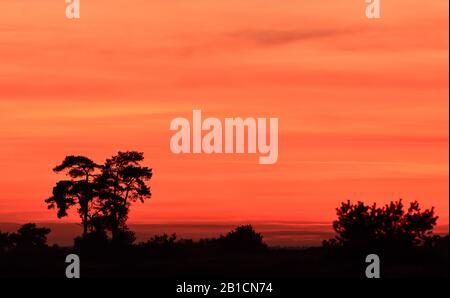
(362, 104)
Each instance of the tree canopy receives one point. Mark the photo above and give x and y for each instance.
(390, 226)
(102, 193)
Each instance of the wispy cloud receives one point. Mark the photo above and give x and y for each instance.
(280, 37)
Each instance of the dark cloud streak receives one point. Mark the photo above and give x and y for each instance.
(281, 37)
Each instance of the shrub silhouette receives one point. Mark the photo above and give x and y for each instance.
(162, 240)
(28, 236)
(442, 247)
(360, 226)
(124, 237)
(93, 241)
(244, 239)
(5, 242)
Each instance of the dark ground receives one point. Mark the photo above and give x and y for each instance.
(206, 263)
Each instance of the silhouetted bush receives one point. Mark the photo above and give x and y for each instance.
(162, 242)
(442, 246)
(93, 241)
(243, 239)
(390, 227)
(124, 238)
(28, 236)
(5, 242)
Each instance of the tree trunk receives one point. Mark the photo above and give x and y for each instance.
(114, 228)
(86, 208)
(114, 233)
(85, 225)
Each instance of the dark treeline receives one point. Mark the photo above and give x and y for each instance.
(29, 237)
(406, 248)
(103, 194)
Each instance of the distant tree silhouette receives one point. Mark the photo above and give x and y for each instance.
(243, 238)
(79, 190)
(124, 237)
(162, 242)
(96, 240)
(163, 239)
(361, 226)
(442, 246)
(122, 181)
(28, 236)
(103, 194)
(5, 242)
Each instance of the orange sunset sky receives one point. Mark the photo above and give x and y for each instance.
(362, 104)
